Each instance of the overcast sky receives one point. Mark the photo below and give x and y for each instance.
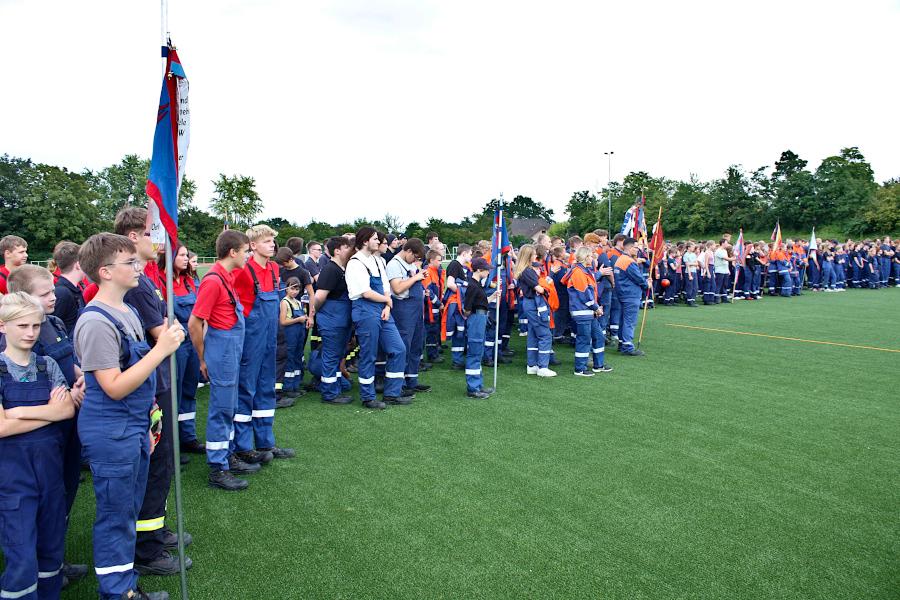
(420, 108)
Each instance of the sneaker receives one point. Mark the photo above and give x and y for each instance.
(406, 392)
(284, 402)
(74, 572)
(481, 395)
(398, 400)
(422, 388)
(338, 400)
(255, 456)
(280, 453)
(224, 480)
(436, 360)
(546, 373)
(531, 370)
(509, 352)
(374, 404)
(298, 393)
(633, 352)
(239, 467)
(140, 594)
(602, 369)
(585, 373)
(170, 539)
(459, 366)
(164, 564)
(193, 447)
(523, 334)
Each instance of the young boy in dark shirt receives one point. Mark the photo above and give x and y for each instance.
(475, 309)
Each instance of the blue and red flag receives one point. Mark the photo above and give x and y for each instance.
(170, 143)
(739, 249)
(500, 248)
(634, 224)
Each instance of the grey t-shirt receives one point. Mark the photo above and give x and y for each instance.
(29, 373)
(97, 341)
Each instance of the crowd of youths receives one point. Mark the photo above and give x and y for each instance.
(84, 369)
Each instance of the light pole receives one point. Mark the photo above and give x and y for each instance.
(609, 156)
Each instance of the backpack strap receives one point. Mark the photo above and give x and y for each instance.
(224, 285)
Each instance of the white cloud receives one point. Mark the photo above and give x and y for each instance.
(347, 109)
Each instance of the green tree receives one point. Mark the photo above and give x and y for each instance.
(14, 177)
(198, 230)
(119, 184)
(795, 202)
(687, 209)
(236, 199)
(586, 212)
(882, 215)
(521, 207)
(55, 191)
(732, 206)
(845, 185)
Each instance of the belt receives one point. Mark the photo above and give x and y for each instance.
(480, 311)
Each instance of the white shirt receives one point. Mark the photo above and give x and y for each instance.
(721, 264)
(357, 277)
(400, 269)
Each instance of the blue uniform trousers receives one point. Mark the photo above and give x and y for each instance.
(188, 365)
(295, 341)
(456, 333)
(373, 335)
(222, 352)
(615, 315)
(630, 309)
(540, 339)
(410, 321)
(255, 415)
(477, 322)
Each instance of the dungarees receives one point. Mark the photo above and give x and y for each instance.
(333, 321)
(410, 321)
(475, 349)
(256, 382)
(114, 434)
(222, 353)
(188, 364)
(456, 321)
(295, 341)
(32, 497)
(539, 343)
(372, 333)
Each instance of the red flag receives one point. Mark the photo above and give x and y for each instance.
(658, 241)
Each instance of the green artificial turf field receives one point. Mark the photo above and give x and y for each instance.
(718, 466)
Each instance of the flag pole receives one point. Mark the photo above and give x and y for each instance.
(499, 287)
(650, 287)
(173, 361)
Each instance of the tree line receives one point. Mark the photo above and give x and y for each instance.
(45, 204)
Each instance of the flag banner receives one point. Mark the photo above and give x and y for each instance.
(634, 224)
(813, 244)
(170, 145)
(739, 251)
(658, 241)
(776, 236)
(500, 247)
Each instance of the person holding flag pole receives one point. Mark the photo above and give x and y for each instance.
(657, 246)
(170, 144)
(739, 258)
(500, 249)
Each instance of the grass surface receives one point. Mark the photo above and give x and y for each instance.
(719, 466)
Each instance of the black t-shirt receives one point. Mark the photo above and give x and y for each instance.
(456, 271)
(332, 279)
(299, 272)
(69, 302)
(147, 300)
(528, 280)
(475, 296)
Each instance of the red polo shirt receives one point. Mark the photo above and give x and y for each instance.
(243, 282)
(5, 273)
(213, 302)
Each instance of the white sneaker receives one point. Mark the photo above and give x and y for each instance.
(531, 370)
(546, 373)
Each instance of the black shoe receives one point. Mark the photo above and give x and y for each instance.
(374, 404)
(422, 388)
(164, 564)
(184, 459)
(507, 352)
(602, 369)
(633, 352)
(436, 360)
(398, 400)
(379, 385)
(284, 402)
(253, 457)
(487, 363)
(479, 394)
(504, 360)
(458, 367)
(224, 480)
(424, 366)
(239, 467)
(193, 447)
(406, 392)
(74, 572)
(554, 362)
(338, 400)
(170, 539)
(280, 453)
(140, 594)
